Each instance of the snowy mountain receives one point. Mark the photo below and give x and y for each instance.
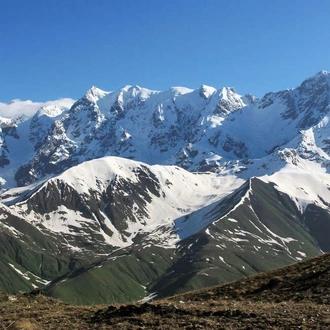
(199, 130)
(138, 192)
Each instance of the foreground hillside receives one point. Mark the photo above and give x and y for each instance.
(294, 297)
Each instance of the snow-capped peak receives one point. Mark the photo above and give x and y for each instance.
(322, 73)
(137, 91)
(206, 91)
(50, 111)
(179, 90)
(94, 94)
(27, 109)
(319, 79)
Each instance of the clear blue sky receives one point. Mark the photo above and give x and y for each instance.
(60, 48)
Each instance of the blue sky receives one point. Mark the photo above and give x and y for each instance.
(56, 49)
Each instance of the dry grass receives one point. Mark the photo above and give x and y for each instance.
(295, 297)
(24, 324)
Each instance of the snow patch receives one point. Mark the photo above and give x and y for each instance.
(150, 297)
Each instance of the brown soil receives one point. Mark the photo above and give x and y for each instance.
(294, 297)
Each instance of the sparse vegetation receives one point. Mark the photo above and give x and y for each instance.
(294, 297)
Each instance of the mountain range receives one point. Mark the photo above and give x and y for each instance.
(136, 194)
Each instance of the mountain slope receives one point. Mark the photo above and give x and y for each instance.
(188, 230)
(29, 258)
